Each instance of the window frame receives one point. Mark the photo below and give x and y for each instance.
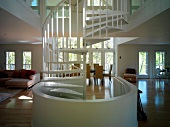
(14, 59)
(23, 58)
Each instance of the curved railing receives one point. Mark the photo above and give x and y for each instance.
(56, 109)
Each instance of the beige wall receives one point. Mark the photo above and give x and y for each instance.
(129, 56)
(18, 48)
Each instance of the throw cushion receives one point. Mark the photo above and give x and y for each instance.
(3, 75)
(24, 73)
(131, 71)
(16, 74)
(30, 72)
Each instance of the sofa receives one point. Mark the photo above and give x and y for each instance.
(130, 75)
(19, 78)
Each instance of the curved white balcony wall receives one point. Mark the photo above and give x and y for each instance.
(119, 111)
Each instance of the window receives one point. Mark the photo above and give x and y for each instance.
(27, 60)
(143, 63)
(10, 60)
(97, 2)
(87, 58)
(135, 4)
(35, 6)
(108, 60)
(108, 44)
(72, 57)
(160, 59)
(50, 4)
(97, 57)
(97, 45)
(72, 42)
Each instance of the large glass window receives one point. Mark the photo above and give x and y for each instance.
(108, 60)
(72, 57)
(135, 4)
(27, 60)
(97, 45)
(160, 59)
(87, 58)
(35, 6)
(50, 4)
(97, 57)
(10, 60)
(143, 63)
(72, 42)
(97, 2)
(81, 42)
(108, 44)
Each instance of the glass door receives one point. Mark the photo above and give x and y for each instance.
(160, 59)
(143, 64)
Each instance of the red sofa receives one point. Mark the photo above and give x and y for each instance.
(19, 78)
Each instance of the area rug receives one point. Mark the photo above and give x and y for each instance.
(7, 93)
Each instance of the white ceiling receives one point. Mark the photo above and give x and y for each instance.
(15, 31)
(155, 31)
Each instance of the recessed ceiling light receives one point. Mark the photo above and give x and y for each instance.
(23, 41)
(37, 43)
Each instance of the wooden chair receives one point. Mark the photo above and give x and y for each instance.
(108, 74)
(98, 74)
(88, 73)
(94, 65)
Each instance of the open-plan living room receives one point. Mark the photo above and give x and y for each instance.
(94, 63)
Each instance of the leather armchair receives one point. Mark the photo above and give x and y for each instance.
(130, 75)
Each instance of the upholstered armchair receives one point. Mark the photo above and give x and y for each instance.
(130, 75)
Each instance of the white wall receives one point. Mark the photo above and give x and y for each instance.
(129, 56)
(18, 48)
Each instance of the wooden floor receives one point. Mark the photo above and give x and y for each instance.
(17, 111)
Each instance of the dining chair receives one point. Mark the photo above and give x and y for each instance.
(96, 64)
(108, 74)
(88, 73)
(98, 74)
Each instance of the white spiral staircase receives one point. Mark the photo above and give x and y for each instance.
(93, 20)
